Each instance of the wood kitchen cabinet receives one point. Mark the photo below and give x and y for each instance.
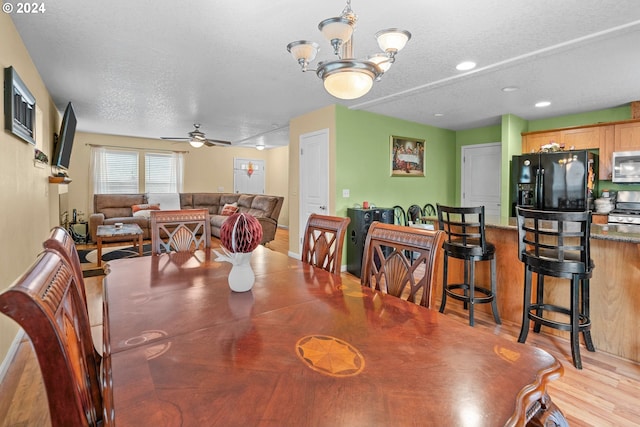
(627, 137)
(531, 143)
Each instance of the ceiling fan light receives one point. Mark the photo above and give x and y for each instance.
(392, 39)
(336, 28)
(195, 143)
(260, 147)
(303, 49)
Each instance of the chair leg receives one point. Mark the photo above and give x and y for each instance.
(539, 301)
(575, 323)
(494, 302)
(445, 275)
(472, 291)
(466, 281)
(524, 330)
(585, 310)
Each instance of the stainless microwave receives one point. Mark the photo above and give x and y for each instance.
(626, 166)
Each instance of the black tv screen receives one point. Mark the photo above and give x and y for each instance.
(62, 151)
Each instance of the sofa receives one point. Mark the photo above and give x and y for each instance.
(109, 209)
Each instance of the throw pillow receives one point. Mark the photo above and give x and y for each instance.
(166, 201)
(146, 206)
(229, 209)
(143, 213)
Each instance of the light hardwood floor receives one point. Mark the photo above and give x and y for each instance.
(605, 393)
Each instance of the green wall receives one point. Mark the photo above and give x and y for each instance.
(363, 162)
(592, 117)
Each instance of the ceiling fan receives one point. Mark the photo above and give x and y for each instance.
(197, 138)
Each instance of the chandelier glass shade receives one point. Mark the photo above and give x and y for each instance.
(348, 77)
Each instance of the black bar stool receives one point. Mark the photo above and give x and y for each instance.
(556, 244)
(466, 240)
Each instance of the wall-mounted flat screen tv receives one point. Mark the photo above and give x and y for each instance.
(62, 150)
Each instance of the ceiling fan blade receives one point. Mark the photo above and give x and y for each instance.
(177, 138)
(211, 142)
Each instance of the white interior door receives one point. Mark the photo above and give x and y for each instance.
(314, 177)
(248, 176)
(481, 171)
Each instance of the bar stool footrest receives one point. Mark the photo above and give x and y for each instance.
(489, 296)
(584, 323)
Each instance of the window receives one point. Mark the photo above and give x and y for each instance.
(116, 171)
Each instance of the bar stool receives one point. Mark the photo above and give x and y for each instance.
(556, 244)
(466, 240)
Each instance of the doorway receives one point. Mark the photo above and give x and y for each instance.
(481, 176)
(248, 176)
(314, 177)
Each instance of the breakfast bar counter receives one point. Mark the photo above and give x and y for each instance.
(614, 286)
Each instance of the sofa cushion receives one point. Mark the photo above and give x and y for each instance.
(229, 209)
(209, 201)
(167, 201)
(116, 205)
(143, 207)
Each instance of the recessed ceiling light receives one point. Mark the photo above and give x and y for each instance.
(466, 66)
(510, 88)
(542, 104)
(438, 115)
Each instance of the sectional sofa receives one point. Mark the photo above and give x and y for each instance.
(109, 209)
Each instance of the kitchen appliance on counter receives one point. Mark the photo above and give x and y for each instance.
(626, 215)
(558, 181)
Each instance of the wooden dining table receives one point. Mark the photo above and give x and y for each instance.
(302, 348)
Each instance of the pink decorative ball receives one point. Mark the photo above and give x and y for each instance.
(241, 232)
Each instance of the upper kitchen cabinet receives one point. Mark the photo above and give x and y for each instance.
(627, 137)
(532, 142)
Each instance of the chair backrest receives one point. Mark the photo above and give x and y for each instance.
(387, 264)
(414, 214)
(61, 241)
(464, 227)
(180, 230)
(46, 303)
(399, 215)
(554, 243)
(323, 242)
(429, 210)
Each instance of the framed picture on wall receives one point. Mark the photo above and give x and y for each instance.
(19, 107)
(407, 156)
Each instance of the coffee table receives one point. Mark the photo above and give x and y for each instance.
(132, 231)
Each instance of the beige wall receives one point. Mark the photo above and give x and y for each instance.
(207, 169)
(29, 202)
(324, 118)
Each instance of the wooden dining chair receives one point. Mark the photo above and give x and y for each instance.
(180, 230)
(46, 303)
(387, 264)
(323, 242)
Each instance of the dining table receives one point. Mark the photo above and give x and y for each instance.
(303, 347)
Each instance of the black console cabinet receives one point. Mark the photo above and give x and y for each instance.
(361, 219)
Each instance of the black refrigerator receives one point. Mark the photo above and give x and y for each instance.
(555, 181)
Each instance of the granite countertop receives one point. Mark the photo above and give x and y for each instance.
(618, 233)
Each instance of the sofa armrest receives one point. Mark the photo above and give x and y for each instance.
(268, 229)
(95, 219)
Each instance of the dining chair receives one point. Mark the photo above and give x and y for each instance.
(180, 230)
(556, 244)
(466, 240)
(323, 241)
(414, 214)
(62, 242)
(387, 268)
(45, 301)
(399, 215)
(429, 210)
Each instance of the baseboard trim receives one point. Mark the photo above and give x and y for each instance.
(11, 354)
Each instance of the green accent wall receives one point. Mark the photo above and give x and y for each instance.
(592, 117)
(363, 162)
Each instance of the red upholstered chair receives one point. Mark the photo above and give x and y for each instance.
(323, 241)
(180, 230)
(45, 301)
(387, 264)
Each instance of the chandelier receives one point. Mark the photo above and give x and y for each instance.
(347, 77)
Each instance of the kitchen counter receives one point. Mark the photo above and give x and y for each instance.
(614, 290)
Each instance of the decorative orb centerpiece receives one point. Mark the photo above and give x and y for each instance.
(241, 232)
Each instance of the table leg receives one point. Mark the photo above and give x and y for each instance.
(99, 251)
(140, 244)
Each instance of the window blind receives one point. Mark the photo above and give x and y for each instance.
(159, 173)
(115, 172)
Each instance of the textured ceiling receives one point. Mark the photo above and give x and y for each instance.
(153, 68)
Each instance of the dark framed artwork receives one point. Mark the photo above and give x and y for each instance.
(407, 156)
(19, 107)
